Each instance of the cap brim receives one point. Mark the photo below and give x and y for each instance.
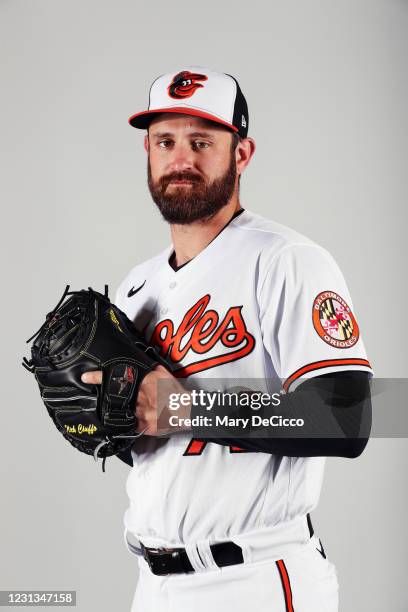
(142, 120)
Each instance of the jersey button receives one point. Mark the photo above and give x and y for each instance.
(172, 285)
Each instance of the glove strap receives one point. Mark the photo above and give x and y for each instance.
(120, 384)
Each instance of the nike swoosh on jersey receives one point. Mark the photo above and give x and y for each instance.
(133, 291)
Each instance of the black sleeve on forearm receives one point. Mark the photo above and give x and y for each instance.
(336, 408)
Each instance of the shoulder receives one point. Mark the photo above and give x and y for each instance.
(139, 274)
(273, 240)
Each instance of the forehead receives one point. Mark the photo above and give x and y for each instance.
(175, 122)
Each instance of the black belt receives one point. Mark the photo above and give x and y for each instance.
(163, 561)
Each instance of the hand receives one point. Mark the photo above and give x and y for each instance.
(153, 420)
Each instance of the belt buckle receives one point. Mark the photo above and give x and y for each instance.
(149, 556)
(146, 554)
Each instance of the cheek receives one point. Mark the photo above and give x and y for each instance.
(216, 165)
(156, 166)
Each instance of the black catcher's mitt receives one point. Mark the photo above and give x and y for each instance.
(85, 332)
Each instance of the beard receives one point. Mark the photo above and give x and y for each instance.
(195, 202)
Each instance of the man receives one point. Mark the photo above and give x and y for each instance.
(219, 518)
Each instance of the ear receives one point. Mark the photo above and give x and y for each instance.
(146, 143)
(243, 153)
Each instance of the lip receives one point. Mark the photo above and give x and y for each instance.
(183, 182)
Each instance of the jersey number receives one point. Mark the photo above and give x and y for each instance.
(196, 447)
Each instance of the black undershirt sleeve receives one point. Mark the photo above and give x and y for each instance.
(336, 409)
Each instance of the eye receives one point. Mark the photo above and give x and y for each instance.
(200, 144)
(164, 144)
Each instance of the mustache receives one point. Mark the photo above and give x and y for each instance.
(180, 176)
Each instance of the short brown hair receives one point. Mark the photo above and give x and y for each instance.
(236, 139)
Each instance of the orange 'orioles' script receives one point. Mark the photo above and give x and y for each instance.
(205, 330)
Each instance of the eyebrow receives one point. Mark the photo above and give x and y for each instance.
(191, 134)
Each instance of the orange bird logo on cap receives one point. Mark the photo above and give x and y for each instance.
(184, 84)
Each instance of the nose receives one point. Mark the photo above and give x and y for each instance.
(182, 157)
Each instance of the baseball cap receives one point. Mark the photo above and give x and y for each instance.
(198, 91)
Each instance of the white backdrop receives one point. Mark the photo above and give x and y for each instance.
(326, 84)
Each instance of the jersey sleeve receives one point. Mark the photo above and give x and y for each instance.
(307, 319)
(123, 288)
(119, 297)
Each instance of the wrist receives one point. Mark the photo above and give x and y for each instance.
(174, 419)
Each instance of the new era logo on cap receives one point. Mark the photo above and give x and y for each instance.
(197, 91)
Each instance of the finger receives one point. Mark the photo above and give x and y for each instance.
(92, 378)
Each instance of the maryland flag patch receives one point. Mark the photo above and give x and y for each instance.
(334, 321)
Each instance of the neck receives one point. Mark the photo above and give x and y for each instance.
(189, 240)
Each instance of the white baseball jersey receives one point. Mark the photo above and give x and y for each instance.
(261, 301)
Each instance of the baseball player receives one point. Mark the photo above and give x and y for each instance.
(223, 522)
